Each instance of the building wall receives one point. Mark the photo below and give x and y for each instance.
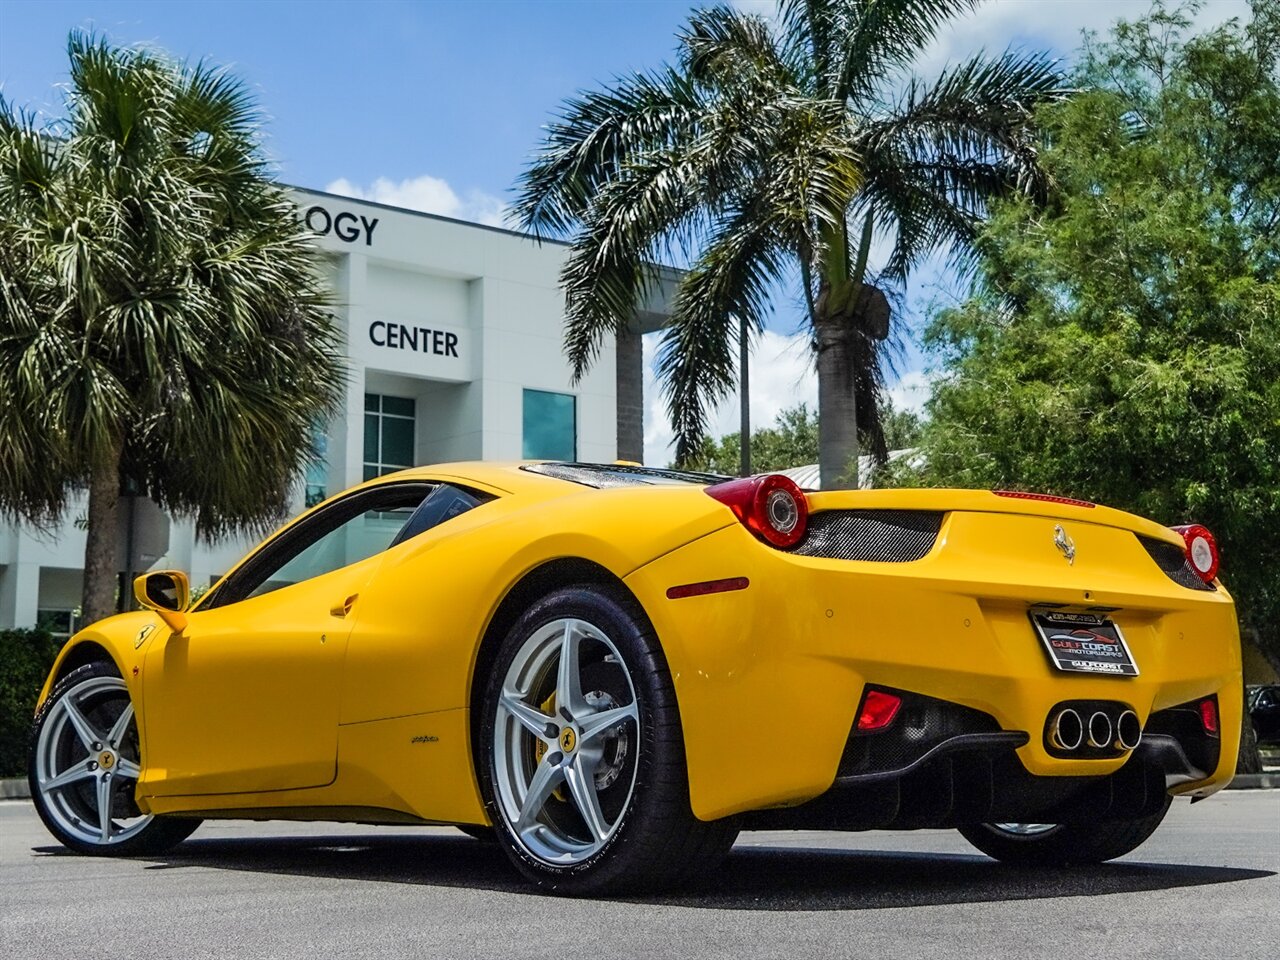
(458, 317)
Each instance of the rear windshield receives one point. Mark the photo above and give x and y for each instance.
(601, 475)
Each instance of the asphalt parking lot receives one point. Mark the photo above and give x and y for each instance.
(1205, 885)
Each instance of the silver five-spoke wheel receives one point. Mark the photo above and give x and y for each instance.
(86, 763)
(565, 741)
(1025, 829)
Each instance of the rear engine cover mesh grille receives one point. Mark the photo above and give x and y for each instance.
(886, 536)
(1173, 561)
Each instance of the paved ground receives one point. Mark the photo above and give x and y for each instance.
(1205, 885)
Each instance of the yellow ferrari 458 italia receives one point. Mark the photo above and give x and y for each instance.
(613, 670)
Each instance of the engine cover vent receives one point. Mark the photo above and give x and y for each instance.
(1173, 561)
(884, 536)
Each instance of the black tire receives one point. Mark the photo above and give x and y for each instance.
(158, 835)
(657, 841)
(1065, 843)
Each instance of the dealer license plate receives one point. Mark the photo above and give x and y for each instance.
(1084, 643)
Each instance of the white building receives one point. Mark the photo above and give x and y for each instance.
(453, 337)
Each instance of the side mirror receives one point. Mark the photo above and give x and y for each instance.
(168, 593)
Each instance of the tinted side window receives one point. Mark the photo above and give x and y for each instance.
(346, 532)
(443, 503)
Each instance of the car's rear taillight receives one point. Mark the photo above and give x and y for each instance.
(772, 507)
(1202, 550)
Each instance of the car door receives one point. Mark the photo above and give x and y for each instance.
(246, 698)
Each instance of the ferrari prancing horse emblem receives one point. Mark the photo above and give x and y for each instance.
(568, 739)
(1064, 543)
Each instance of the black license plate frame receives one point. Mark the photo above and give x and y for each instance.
(1087, 643)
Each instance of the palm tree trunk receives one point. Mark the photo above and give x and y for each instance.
(837, 402)
(744, 403)
(99, 596)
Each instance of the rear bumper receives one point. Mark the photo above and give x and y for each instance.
(768, 678)
(943, 765)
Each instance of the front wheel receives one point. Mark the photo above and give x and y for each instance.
(1059, 844)
(581, 751)
(84, 766)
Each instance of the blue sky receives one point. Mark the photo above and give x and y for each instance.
(437, 105)
(371, 89)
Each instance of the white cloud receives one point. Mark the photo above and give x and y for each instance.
(761, 8)
(782, 376)
(428, 194)
(912, 390)
(1054, 25)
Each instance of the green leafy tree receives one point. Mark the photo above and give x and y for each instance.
(162, 325)
(792, 441)
(770, 150)
(902, 428)
(1127, 349)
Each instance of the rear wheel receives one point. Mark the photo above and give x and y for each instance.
(84, 767)
(582, 756)
(1058, 844)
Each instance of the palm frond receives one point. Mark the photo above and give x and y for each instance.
(728, 285)
(980, 110)
(156, 290)
(722, 46)
(864, 41)
(595, 135)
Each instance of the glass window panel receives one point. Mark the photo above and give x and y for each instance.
(371, 471)
(57, 622)
(397, 442)
(371, 424)
(317, 473)
(550, 426)
(356, 540)
(371, 402)
(398, 406)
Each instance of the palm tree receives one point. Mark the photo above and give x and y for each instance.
(778, 151)
(162, 324)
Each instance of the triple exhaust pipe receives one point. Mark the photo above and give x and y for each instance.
(1069, 731)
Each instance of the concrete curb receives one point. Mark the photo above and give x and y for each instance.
(1255, 781)
(19, 789)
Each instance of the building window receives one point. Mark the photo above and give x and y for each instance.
(389, 427)
(550, 426)
(317, 474)
(60, 623)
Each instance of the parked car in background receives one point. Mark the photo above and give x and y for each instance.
(1263, 704)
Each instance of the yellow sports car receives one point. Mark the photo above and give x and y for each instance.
(615, 669)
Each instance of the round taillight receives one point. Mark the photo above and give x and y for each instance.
(772, 507)
(1202, 550)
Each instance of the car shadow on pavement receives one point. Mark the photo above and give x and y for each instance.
(750, 878)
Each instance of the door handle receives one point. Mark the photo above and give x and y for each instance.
(344, 608)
